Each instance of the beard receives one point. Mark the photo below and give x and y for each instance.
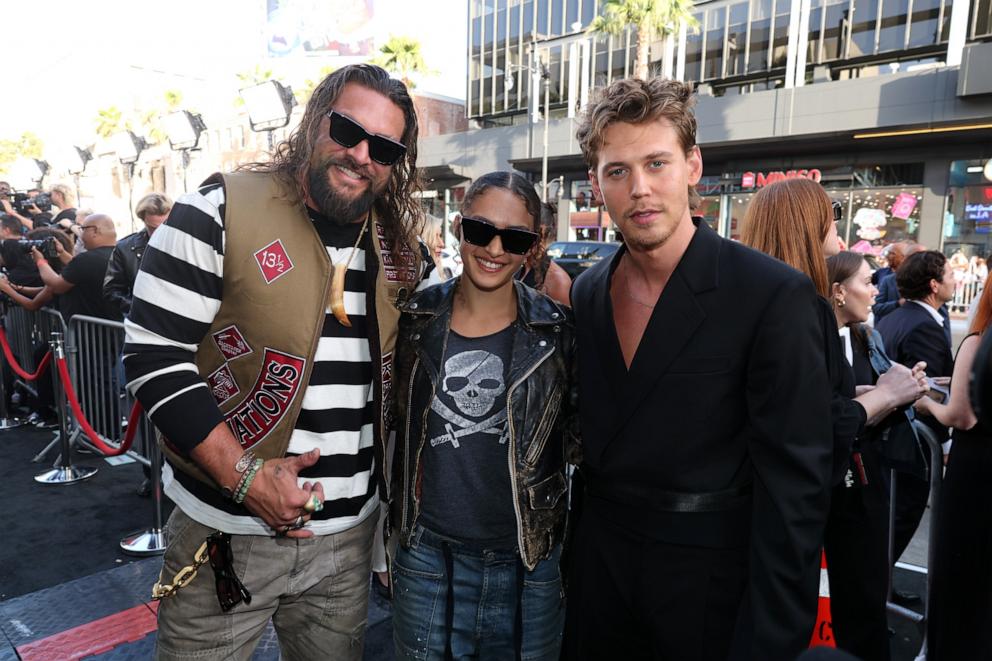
(331, 202)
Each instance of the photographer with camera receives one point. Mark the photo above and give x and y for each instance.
(81, 282)
(64, 197)
(32, 208)
(23, 286)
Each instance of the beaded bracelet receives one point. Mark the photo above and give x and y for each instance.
(246, 480)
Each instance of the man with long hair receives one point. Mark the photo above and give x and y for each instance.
(260, 340)
(707, 477)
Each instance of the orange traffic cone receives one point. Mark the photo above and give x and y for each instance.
(823, 634)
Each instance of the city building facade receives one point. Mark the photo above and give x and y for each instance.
(887, 103)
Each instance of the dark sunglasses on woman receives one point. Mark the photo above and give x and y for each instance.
(348, 133)
(480, 232)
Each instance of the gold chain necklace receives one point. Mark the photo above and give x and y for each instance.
(629, 293)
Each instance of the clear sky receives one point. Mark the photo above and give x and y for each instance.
(64, 59)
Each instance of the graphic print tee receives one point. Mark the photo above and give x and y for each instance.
(466, 491)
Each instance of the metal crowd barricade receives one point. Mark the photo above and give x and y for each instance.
(27, 331)
(98, 378)
(936, 479)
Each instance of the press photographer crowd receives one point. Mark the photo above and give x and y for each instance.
(57, 256)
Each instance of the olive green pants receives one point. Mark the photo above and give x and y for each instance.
(314, 590)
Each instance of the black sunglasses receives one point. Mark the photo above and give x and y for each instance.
(481, 233)
(348, 133)
(838, 210)
(230, 590)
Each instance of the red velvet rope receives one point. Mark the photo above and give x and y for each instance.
(13, 362)
(132, 421)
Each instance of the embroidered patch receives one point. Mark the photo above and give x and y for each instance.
(277, 385)
(222, 384)
(387, 387)
(391, 268)
(273, 261)
(231, 343)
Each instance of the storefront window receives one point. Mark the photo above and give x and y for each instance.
(881, 204)
(968, 228)
(879, 216)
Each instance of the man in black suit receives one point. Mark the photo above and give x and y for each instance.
(704, 414)
(914, 332)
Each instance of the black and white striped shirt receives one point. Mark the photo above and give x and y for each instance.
(177, 295)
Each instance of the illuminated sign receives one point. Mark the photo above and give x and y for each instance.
(762, 179)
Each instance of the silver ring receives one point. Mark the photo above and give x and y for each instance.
(298, 523)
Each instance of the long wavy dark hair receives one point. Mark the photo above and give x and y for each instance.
(398, 210)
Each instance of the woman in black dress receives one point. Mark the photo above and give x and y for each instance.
(961, 593)
(856, 539)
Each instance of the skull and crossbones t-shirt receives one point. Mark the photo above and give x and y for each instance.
(466, 492)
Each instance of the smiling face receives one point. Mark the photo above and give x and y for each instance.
(490, 267)
(342, 182)
(643, 176)
(858, 294)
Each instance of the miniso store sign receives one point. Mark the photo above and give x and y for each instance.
(762, 179)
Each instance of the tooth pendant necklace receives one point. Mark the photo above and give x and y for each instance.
(337, 281)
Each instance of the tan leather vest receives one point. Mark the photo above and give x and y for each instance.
(258, 354)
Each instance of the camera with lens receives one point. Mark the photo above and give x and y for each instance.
(45, 246)
(22, 202)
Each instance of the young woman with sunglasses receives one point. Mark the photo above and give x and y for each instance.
(483, 404)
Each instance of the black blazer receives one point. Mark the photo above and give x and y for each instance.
(728, 388)
(911, 334)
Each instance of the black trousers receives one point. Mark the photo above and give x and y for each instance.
(631, 597)
(856, 543)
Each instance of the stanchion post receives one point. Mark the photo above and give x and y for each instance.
(64, 472)
(6, 422)
(151, 541)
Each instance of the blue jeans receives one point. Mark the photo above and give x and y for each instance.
(485, 602)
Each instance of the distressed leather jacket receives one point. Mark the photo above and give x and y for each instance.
(540, 411)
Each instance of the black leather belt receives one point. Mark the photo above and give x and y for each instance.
(669, 501)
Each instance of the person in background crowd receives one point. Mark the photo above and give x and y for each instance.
(433, 237)
(540, 271)
(479, 480)
(793, 221)
(80, 283)
(912, 333)
(118, 283)
(960, 610)
(64, 197)
(704, 414)
(23, 285)
(281, 280)
(856, 539)
(883, 271)
(888, 298)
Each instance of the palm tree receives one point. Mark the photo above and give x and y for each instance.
(109, 121)
(305, 90)
(402, 56)
(651, 18)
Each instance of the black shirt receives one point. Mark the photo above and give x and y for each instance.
(86, 273)
(466, 488)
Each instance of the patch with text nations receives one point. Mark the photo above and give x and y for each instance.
(278, 383)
